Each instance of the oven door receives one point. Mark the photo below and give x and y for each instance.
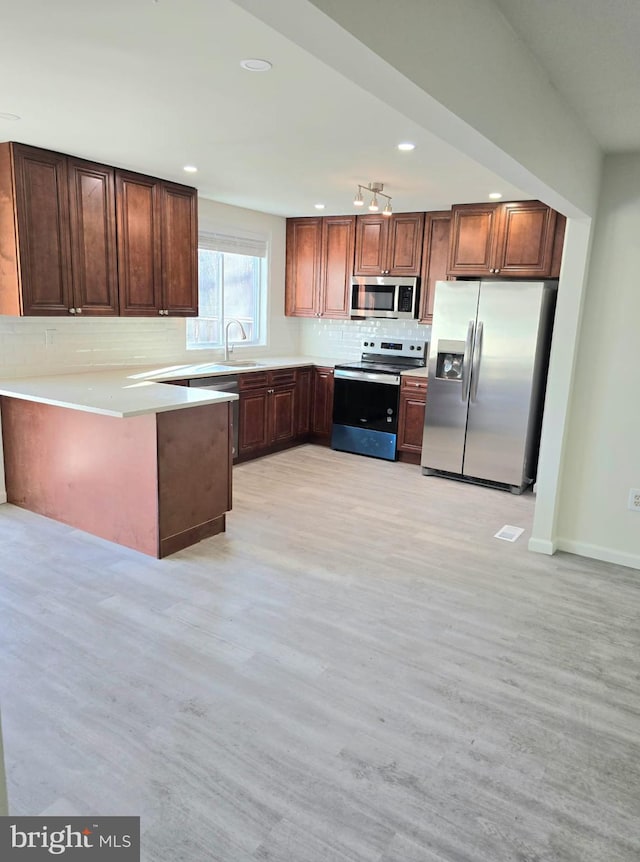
(365, 413)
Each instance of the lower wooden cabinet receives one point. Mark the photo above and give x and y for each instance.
(267, 414)
(413, 398)
(322, 405)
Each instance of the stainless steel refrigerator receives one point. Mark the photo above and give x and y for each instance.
(488, 361)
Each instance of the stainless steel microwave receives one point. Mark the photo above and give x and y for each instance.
(384, 296)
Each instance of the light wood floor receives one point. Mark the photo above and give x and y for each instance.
(357, 671)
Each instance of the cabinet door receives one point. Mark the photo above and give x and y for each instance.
(473, 232)
(93, 237)
(282, 407)
(42, 203)
(372, 233)
(302, 280)
(139, 244)
(303, 402)
(404, 251)
(253, 420)
(411, 415)
(322, 412)
(524, 246)
(338, 239)
(435, 258)
(179, 220)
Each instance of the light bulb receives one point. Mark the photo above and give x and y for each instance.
(357, 201)
(373, 206)
(387, 210)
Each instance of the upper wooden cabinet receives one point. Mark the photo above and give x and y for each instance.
(513, 239)
(389, 245)
(83, 238)
(59, 257)
(157, 246)
(319, 266)
(435, 259)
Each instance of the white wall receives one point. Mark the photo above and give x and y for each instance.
(602, 456)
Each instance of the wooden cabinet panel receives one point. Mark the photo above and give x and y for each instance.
(93, 237)
(525, 243)
(138, 244)
(435, 259)
(179, 249)
(303, 402)
(405, 244)
(78, 237)
(389, 245)
(253, 419)
(338, 238)
(558, 245)
(322, 406)
(372, 233)
(514, 239)
(473, 233)
(411, 415)
(304, 244)
(282, 408)
(319, 266)
(42, 210)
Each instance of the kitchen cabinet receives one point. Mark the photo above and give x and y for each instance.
(435, 259)
(157, 246)
(82, 238)
(413, 399)
(267, 415)
(322, 405)
(389, 245)
(319, 266)
(57, 234)
(514, 239)
(303, 402)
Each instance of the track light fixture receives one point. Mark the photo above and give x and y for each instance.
(375, 189)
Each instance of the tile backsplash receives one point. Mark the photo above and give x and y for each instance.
(341, 339)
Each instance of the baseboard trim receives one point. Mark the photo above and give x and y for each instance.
(599, 552)
(542, 546)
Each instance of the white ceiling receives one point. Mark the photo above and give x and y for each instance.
(152, 86)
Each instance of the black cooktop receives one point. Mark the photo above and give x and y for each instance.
(378, 367)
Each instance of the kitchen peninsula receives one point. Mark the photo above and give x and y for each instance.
(136, 462)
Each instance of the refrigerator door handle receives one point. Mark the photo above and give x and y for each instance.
(475, 365)
(466, 363)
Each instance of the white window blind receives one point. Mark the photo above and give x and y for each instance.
(253, 245)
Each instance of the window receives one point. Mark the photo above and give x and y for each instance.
(231, 286)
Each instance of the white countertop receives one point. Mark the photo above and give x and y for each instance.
(125, 392)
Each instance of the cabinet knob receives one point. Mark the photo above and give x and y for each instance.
(78, 311)
(72, 311)
(496, 270)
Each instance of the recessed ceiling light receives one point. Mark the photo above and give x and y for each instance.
(255, 65)
(495, 196)
(190, 169)
(319, 206)
(405, 146)
(10, 117)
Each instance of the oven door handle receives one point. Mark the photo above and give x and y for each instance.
(367, 376)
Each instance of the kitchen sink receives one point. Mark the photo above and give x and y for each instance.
(241, 363)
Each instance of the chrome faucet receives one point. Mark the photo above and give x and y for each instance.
(228, 348)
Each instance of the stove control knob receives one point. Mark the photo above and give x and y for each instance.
(372, 344)
(419, 347)
(412, 347)
(366, 344)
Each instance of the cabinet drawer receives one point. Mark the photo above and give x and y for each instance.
(413, 384)
(253, 380)
(282, 376)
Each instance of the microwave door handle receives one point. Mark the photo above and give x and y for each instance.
(477, 356)
(466, 362)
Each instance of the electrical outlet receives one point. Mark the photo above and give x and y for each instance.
(634, 499)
